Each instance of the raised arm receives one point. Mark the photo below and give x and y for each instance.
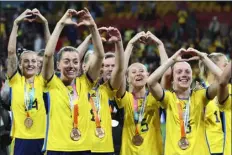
(212, 89)
(82, 48)
(166, 78)
(48, 63)
(153, 80)
(98, 55)
(127, 55)
(223, 84)
(117, 74)
(12, 62)
(40, 18)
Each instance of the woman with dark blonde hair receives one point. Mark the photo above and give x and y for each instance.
(213, 120)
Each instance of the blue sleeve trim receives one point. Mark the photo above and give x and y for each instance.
(207, 94)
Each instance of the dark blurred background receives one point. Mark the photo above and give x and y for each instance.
(206, 26)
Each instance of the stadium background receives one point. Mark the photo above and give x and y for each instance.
(206, 26)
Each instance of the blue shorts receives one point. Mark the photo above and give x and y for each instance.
(68, 153)
(28, 146)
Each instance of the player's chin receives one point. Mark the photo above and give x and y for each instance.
(70, 76)
(31, 73)
(185, 86)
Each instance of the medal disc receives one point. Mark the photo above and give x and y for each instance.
(137, 140)
(28, 122)
(114, 123)
(75, 134)
(183, 143)
(100, 132)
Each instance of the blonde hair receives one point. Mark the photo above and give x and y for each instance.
(25, 52)
(214, 57)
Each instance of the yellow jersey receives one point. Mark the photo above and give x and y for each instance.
(226, 108)
(19, 111)
(104, 144)
(214, 133)
(213, 124)
(195, 132)
(149, 129)
(60, 116)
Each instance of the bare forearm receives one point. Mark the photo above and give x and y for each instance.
(223, 84)
(82, 48)
(212, 67)
(12, 40)
(46, 32)
(127, 54)
(226, 75)
(158, 73)
(118, 74)
(51, 44)
(96, 38)
(119, 56)
(48, 63)
(163, 53)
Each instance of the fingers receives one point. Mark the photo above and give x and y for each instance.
(36, 11)
(81, 13)
(86, 10)
(72, 12)
(103, 29)
(194, 58)
(27, 11)
(80, 24)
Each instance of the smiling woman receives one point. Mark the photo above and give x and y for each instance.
(185, 127)
(27, 103)
(68, 63)
(28, 63)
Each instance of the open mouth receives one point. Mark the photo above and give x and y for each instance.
(183, 80)
(139, 79)
(30, 69)
(71, 72)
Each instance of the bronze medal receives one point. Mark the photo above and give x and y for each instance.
(75, 134)
(100, 132)
(137, 140)
(183, 143)
(28, 122)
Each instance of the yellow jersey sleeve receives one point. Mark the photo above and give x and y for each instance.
(167, 95)
(110, 91)
(123, 100)
(227, 103)
(16, 78)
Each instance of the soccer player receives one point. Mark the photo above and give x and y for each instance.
(102, 96)
(224, 99)
(212, 114)
(185, 129)
(109, 70)
(141, 129)
(67, 103)
(27, 105)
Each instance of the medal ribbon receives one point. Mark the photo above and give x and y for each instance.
(183, 121)
(139, 117)
(29, 97)
(75, 115)
(96, 109)
(73, 96)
